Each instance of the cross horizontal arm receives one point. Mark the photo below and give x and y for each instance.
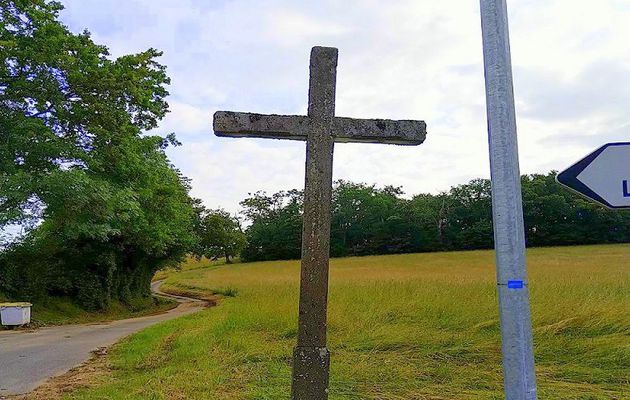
(296, 127)
(386, 131)
(239, 124)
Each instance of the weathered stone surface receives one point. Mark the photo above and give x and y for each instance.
(321, 129)
(239, 124)
(310, 373)
(386, 131)
(297, 127)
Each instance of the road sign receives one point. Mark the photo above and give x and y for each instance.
(603, 175)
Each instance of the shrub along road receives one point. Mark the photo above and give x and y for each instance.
(28, 358)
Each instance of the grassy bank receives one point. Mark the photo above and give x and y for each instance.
(418, 326)
(62, 311)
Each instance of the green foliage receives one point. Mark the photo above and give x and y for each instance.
(470, 218)
(555, 215)
(276, 229)
(368, 220)
(219, 235)
(63, 310)
(109, 208)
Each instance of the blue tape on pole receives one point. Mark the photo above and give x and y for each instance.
(515, 285)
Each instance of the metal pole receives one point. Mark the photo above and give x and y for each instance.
(507, 208)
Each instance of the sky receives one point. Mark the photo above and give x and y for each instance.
(399, 59)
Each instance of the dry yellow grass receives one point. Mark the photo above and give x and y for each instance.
(417, 326)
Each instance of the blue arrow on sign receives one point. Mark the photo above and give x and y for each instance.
(602, 176)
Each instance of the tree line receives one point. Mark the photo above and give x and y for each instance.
(370, 220)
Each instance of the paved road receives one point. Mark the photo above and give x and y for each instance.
(28, 358)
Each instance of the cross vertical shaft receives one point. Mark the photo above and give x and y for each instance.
(311, 357)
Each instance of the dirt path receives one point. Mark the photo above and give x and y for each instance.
(28, 358)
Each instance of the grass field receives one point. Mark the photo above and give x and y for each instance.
(417, 326)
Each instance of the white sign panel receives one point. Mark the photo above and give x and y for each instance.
(603, 176)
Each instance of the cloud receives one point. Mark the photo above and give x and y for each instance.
(400, 59)
(291, 28)
(187, 119)
(237, 167)
(600, 89)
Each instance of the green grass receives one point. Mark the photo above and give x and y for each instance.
(418, 326)
(61, 311)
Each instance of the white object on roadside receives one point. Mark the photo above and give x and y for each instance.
(15, 313)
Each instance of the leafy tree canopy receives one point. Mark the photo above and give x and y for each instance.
(219, 234)
(74, 159)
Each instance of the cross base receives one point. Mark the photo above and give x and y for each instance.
(310, 373)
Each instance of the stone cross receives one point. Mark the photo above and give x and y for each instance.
(320, 129)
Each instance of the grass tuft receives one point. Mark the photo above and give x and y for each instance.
(226, 292)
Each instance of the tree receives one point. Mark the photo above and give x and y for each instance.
(368, 220)
(429, 218)
(220, 235)
(275, 230)
(109, 207)
(470, 219)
